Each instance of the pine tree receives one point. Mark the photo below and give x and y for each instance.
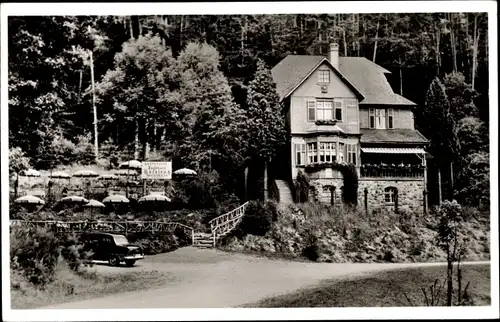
(266, 127)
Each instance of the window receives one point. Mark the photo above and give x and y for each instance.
(300, 154)
(390, 118)
(324, 110)
(391, 194)
(311, 111)
(372, 118)
(312, 152)
(380, 119)
(338, 109)
(351, 153)
(327, 152)
(352, 103)
(341, 152)
(324, 76)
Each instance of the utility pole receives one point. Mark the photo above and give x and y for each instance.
(96, 146)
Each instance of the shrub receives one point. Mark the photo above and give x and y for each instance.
(153, 243)
(258, 218)
(73, 253)
(34, 253)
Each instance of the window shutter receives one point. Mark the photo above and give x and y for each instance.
(311, 110)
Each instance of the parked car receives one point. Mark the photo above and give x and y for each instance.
(114, 248)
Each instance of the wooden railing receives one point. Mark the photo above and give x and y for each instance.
(392, 173)
(105, 226)
(225, 223)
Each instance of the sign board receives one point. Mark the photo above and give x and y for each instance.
(157, 170)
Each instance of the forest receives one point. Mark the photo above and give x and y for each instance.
(197, 89)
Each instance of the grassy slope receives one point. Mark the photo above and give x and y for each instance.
(70, 287)
(384, 289)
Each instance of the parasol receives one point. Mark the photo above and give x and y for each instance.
(30, 173)
(115, 199)
(185, 171)
(85, 174)
(60, 175)
(132, 164)
(155, 198)
(74, 199)
(30, 200)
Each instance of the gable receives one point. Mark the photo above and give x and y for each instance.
(293, 70)
(311, 86)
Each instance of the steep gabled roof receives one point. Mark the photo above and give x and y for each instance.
(369, 78)
(293, 70)
(364, 77)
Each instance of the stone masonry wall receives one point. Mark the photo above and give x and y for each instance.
(410, 193)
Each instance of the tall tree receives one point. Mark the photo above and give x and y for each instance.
(265, 127)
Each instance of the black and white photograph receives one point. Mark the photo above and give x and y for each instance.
(247, 157)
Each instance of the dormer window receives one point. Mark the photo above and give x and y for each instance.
(324, 77)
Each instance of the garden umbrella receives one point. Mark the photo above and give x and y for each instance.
(74, 199)
(115, 199)
(108, 176)
(85, 174)
(94, 204)
(132, 164)
(155, 198)
(29, 200)
(60, 175)
(126, 173)
(30, 173)
(185, 171)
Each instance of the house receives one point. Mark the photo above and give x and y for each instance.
(343, 109)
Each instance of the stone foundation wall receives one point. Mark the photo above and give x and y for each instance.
(410, 193)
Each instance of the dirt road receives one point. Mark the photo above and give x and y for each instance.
(207, 278)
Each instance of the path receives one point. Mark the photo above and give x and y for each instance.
(207, 278)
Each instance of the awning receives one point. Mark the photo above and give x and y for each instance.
(394, 150)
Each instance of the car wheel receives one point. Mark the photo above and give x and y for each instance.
(130, 262)
(114, 261)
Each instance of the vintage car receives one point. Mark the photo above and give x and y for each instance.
(114, 248)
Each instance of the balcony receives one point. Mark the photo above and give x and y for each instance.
(382, 170)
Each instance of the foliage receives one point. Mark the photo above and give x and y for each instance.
(350, 191)
(258, 218)
(18, 161)
(34, 253)
(73, 252)
(440, 125)
(153, 244)
(301, 187)
(265, 122)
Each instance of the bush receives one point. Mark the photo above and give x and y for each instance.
(258, 218)
(34, 253)
(74, 254)
(153, 244)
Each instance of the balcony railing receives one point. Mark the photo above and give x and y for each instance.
(392, 171)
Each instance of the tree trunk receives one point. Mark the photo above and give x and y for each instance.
(131, 29)
(400, 76)
(451, 181)
(439, 187)
(449, 279)
(136, 138)
(96, 142)
(155, 138)
(474, 51)
(345, 42)
(453, 44)
(438, 51)
(16, 186)
(376, 40)
(140, 26)
(80, 87)
(266, 196)
(145, 140)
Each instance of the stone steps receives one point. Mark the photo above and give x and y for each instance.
(286, 196)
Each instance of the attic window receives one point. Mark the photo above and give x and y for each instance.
(324, 76)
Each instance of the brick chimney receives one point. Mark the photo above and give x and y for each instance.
(333, 55)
